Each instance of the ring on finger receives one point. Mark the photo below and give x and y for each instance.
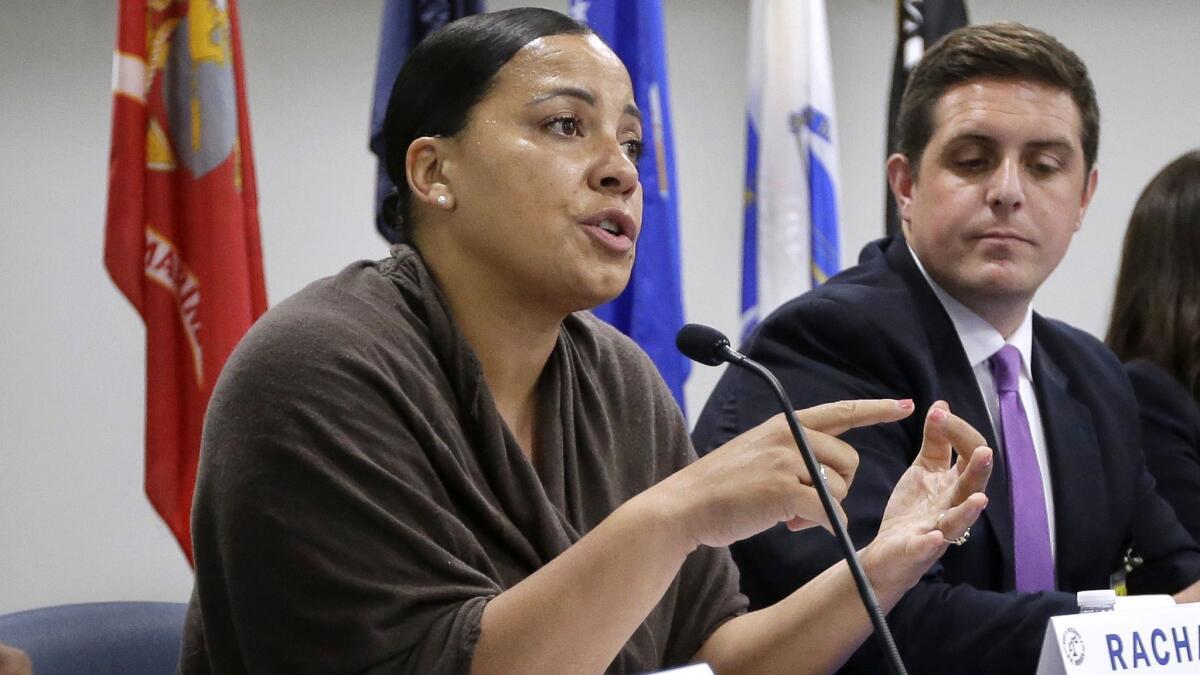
(937, 525)
(961, 540)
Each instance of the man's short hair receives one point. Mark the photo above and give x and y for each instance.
(1002, 50)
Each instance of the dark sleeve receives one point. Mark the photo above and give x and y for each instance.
(324, 536)
(821, 352)
(705, 597)
(1170, 424)
(1170, 556)
(705, 593)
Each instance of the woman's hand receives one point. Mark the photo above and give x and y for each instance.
(13, 661)
(933, 504)
(759, 479)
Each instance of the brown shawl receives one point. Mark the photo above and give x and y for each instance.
(360, 498)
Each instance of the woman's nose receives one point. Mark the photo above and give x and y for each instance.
(615, 171)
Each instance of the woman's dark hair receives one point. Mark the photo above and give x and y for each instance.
(1156, 311)
(444, 77)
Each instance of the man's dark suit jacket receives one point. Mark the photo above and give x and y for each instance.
(877, 330)
(1171, 438)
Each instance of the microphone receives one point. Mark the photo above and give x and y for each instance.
(707, 345)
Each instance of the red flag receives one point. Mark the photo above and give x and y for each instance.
(182, 233)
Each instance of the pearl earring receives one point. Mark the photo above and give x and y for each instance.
(443, 201)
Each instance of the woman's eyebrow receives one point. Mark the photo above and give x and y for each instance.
(573, 92)
(583, 95)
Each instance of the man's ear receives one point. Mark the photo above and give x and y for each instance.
(1089, 191)
(901, 179)
(423, 165)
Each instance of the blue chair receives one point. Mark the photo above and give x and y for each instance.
(137, 638)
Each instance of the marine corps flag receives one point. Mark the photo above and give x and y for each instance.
(919, 24)
(182, 238)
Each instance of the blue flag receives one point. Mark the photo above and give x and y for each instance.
(404, 24)
(790, 240)
(650, 310)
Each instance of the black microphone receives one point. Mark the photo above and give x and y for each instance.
(704, 344)
(709, 346)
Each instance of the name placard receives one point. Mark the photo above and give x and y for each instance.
(1157, 640)
(694, 669)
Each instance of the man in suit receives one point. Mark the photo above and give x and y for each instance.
(999, 131)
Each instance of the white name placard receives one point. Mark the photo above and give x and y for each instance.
(694, 669)
(1156, 640)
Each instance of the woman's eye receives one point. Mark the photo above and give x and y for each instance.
(565, 125)
(634, 150)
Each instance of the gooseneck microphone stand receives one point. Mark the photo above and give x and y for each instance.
(710, 347)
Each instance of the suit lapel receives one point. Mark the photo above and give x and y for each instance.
(1073, 450)
(955, 381)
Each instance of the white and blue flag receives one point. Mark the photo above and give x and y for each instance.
(650, 310)
(790, 240)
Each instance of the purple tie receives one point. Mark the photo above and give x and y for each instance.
(1031, 531)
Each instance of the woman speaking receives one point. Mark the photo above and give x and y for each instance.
(441, 463)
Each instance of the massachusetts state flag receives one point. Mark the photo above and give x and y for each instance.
(650, 310)
(182, 239)
(404, 24)
(790, 240)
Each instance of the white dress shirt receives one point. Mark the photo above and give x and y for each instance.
(980, 341)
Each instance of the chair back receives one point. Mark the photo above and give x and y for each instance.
(134, 638)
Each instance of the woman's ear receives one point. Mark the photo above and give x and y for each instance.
(423, 167)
